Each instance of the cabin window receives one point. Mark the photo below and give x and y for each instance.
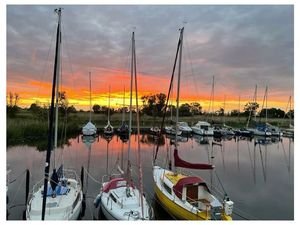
(113, 198)
(167, 188)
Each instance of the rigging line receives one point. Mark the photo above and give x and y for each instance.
(191, 64)
(165, 108)
(46, 62)
(17, 177)
(18, 189)
(66, 40)
(221, 183)
(94, 179)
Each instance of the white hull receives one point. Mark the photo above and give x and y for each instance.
(61, 207)
(171, 130)
(89, 132)
(200, 131)
(123, 207)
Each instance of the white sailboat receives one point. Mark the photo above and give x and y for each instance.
(262, 129)
(89, 129)
(108, 129)
(119, 198)
(59, 197)
(204, 127)
(181, 195)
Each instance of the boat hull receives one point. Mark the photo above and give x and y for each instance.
(174, 209)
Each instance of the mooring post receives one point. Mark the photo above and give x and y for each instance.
(81, 176)
(27, 185)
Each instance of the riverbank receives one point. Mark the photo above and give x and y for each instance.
(27, 128)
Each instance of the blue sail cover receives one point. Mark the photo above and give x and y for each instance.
(60, 172)
(262, 127)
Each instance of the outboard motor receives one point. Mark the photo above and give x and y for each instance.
(228, 206)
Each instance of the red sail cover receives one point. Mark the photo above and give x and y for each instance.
(181, 163)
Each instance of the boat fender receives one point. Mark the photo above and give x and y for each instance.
(97, 200)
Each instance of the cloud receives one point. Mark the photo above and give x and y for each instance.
(240, 45)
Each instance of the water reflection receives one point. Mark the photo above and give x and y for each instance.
(250, 169)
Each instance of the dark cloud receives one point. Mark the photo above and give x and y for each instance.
(240, 45)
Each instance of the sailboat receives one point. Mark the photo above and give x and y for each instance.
(108, 129)
(204, 127)
(262, 129)
(119, 198)
(59, 197)
(123, 129)
(155, 130)
(184, 196)
(289, 131)
(89, 129)
(223, 129)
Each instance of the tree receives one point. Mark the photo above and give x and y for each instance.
(62, 102)
(12, 104)
(96, 108)
(196, 108)
(185, 110)
(234, 112)
(272, 113)
(71, 109)
(220, 112)
(250, 107)
(153, 104)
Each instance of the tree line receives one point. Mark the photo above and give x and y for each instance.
(152, 105)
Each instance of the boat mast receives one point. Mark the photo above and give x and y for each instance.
(213, 98)
(239, 107)
(138, 132)
(90, 97)
(123, 111)
(224, 110)
(290, 110)
(56, 103)
(178, 85)
(50, 134)
(108, 105)
(255, 99)
(130, 115)
(266, 94)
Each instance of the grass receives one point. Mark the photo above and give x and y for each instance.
(26, 128)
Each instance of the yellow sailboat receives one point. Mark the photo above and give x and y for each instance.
(183, 196)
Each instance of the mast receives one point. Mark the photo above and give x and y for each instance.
(171, 102)
(255, 99)
(130, 114)
(123, 111)
(239, 107)
(50, 134)
(266, 94)
(138, 132)
(224, 110)
(56, 102)
(90, 97)
(178, 85)
(108, 105)
(213, 98)
(290, 100)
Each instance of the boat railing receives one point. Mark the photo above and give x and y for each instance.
(107, 178)
(67, 173)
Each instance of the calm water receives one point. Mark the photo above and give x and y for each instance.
(258, 178)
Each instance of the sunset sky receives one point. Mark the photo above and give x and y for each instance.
(239, 45)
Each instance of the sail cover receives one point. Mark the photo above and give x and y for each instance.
(181, 163)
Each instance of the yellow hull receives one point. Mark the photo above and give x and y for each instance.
(180, 212)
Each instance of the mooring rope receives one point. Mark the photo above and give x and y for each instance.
(94, 179)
